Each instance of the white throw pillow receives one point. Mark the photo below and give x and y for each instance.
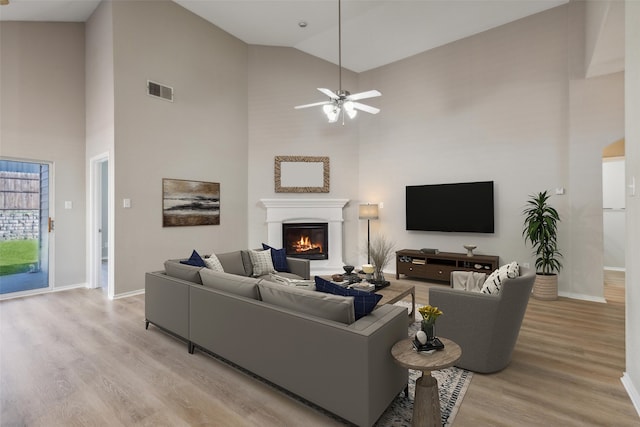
(513, 270)
(213, 263)
(262, 262)
(493, 284)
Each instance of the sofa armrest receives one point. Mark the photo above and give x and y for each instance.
(300, 267)
(166, 302)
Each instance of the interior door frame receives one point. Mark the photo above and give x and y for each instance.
(94, 260)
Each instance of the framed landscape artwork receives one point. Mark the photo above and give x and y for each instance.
(186, 203)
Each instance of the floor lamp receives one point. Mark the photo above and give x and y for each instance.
(368, 212)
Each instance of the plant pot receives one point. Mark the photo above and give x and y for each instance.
(546, 287)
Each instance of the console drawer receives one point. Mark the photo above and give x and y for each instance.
(410, 269)
(438, 272)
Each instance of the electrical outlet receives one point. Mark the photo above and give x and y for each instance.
(526, 265)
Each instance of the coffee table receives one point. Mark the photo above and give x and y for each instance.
(426, 402)
(396, 291)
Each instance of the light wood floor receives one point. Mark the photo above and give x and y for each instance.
(77, 359)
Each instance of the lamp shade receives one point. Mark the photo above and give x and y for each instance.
(368, 212)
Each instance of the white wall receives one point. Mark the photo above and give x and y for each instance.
(202, 135)
(42, 118)
(279, 79)
(631, 377)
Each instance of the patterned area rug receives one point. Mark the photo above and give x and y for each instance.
(452, 385)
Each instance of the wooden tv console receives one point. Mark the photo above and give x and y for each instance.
(414, 263)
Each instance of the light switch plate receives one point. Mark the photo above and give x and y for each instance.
(126, 203)
(68, 204)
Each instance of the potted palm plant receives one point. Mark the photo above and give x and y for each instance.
(541, 230)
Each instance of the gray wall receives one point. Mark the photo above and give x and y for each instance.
(631, 377)
(201, 136)
(42, 118)
(509, 105)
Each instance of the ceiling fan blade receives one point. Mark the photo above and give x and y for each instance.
(297, 107)
(328, 92)
(366, 108)
(364, 95)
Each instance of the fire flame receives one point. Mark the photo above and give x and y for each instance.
(305, 244)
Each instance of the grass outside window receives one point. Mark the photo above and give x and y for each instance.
(18, 256)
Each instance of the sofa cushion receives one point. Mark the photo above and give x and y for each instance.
(279, 258)
(232, 263)
(180, 271)
(493, 284)
(232, 283)
(195, 260)
(246, 260)
(363, 302)
(319, 304)
(213, 263)
(262, 263)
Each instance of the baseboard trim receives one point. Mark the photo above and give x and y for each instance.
(582, 297)
(632, 391)
(621, 269)
(129, 294)
(41, 291)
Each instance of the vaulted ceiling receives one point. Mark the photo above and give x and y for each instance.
(374, 32)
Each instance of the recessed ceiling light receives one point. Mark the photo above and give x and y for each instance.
(302, 24)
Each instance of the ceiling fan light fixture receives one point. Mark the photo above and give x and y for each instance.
(341, 101)
(350, 109)
(332, 112)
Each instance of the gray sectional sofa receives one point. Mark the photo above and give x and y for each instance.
(301, 340)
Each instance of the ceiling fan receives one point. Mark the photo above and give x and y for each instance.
(341, 101)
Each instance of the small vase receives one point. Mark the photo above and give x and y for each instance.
(429, 328)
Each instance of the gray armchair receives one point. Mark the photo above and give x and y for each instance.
(485, 326)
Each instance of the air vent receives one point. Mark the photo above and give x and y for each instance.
(159, 91)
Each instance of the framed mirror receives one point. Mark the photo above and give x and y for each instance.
(301, 174)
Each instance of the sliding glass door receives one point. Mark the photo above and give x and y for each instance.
(24, 226)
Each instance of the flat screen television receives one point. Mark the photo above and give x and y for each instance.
(461, 207)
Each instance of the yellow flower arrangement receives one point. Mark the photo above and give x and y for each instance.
(429, 313)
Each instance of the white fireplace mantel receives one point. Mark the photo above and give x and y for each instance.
(281, 211)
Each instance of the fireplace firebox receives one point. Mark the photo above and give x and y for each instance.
(308, 240)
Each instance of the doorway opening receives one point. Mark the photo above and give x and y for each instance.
(100, 260)
(614, 213)
(25, 225)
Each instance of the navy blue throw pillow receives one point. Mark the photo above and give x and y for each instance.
(195, 260)
(363, 302)
(279, 258)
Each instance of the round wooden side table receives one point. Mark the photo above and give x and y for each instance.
(426, 402)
